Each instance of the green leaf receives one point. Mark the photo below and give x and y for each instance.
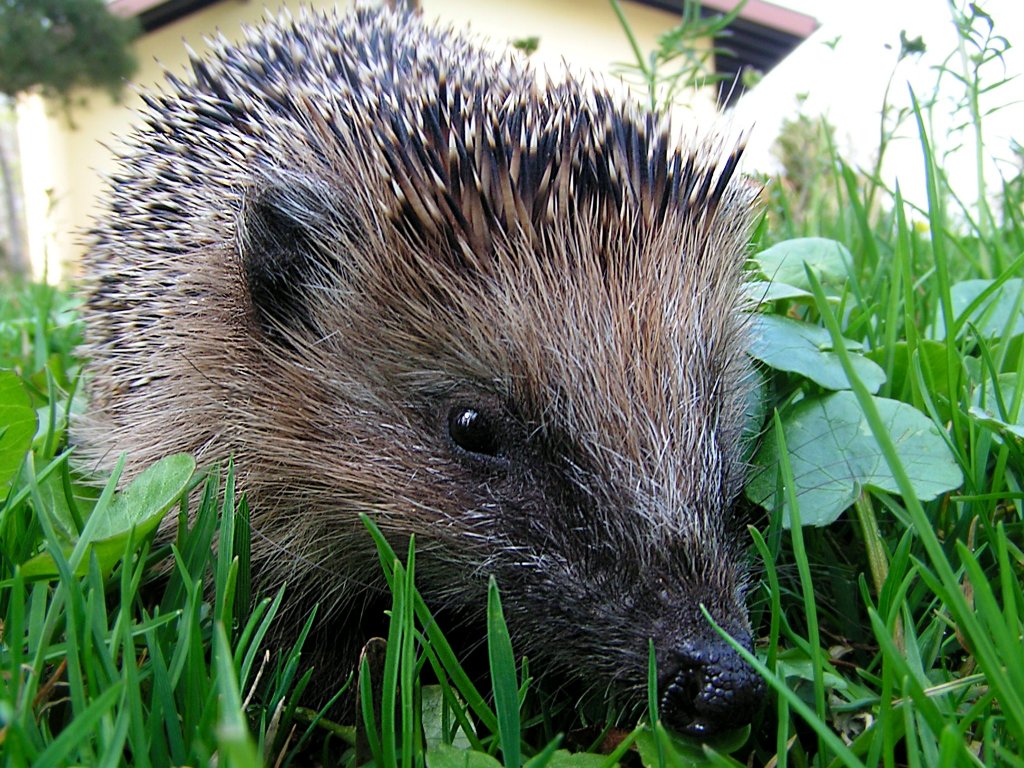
(682, 752)
(998, 315)
(80, 730)
(152, 493)
(432, 716)
(985, 408)
(784, 262)
(447, 756)
(54, 499)
(795, 663)
(796, 347)
(503, 678)
(17, 425)
(834, 454)
(141, 506)
(235, 743)
(934, 366)
(765, 292)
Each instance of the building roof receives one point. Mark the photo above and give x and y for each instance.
(153, 14)
(759, 38)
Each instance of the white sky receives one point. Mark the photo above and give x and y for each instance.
(846, 83)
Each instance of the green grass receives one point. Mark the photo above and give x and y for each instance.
(889, 630)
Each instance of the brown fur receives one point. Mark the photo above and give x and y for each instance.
(342, 231)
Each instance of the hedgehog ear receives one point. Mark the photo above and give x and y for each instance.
(284, 246)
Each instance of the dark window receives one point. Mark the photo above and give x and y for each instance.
(164, 13)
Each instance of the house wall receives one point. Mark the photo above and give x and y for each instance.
(63, 159)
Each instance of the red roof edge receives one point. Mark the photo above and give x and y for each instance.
(130, 8)
(768, 15)
(758, 11)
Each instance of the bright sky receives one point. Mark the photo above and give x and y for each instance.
(846, 82)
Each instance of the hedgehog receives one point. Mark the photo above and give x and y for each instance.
(392, 273)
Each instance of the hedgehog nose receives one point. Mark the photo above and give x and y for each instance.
(709, 688)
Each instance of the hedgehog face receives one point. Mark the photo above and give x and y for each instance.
(392, 274)
(549, 414)
(592, 568)
(608, 471)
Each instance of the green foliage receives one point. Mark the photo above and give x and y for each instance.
(92, 684)
(108, 656)
(503, 673)
(19, 425)
(803, 193)
(889, 343)
(59, 46)
(452, 724)
(786, 263)
(684, 59)
(115, 518)
(834, 455)
(798, 347)
(899, 482)
(987, 308)
(527, 45)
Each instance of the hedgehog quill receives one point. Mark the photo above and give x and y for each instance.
(392, 273)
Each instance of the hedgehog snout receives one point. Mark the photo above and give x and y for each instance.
(707, 687)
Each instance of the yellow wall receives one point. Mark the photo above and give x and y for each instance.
(62, 164)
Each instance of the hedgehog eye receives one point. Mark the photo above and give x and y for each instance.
(472, 431)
